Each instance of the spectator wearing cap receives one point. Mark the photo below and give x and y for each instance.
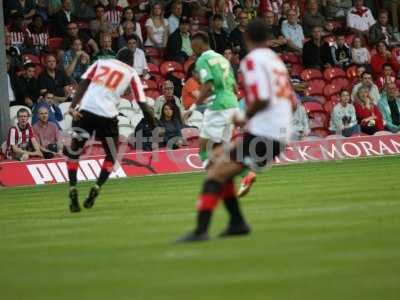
(139, 57)
(383, 56)
(389, 106)
(54, 81)
(343, 117)
(341, 52)
(54, 112)
(63, 17)
(312, 17)
(174, 18)
(276, 40)
(27, 92)
(179, 45)
(47, 134)
(360, 18)
(167, 97)
(367, 82)
(219, 38)
(237, 35)
(316, 52)
(157, 28)
(37, 36)
(76, 61)
(21, 141)
(382, 30)
(293, 32)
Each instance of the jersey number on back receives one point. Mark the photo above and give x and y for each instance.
(109, 78)
(223, 64)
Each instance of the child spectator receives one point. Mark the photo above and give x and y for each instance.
(301, 126)
(343, 117)
(368, 114)
(360, 53)
(389, 106)
(157, 28)
(383, 56)
(340, 52)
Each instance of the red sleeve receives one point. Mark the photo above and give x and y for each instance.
(395, 65)
(379, 119)
(360, 112)
(137, 89)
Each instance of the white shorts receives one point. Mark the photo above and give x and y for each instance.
(217, 125)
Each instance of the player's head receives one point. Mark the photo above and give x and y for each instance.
(126, 56)
(200, 42)
(256, 33)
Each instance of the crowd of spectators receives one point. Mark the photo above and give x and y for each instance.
(51, 43)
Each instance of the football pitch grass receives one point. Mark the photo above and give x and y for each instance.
(320, 231)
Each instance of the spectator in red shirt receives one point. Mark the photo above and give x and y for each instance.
(368, 114)
(386, 77)
(21, 141)
(191, 90)
(383, 56)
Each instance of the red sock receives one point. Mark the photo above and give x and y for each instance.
(207, 201)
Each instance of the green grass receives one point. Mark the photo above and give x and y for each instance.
(320, 231)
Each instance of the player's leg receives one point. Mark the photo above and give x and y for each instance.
(109, 138)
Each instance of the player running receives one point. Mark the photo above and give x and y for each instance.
(95, 109)
(270, 100)
(218, 90)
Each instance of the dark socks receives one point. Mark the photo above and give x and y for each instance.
(233, 208)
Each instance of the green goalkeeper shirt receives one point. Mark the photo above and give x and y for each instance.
(213, 67)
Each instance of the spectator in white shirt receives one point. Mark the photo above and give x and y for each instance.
(157, 28)
(301, 127)
(360, 18)
(293, 32)
(139, 58)
(176, 13)
(359, 52)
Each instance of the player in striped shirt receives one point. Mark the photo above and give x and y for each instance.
(95, 109)
(270, 102)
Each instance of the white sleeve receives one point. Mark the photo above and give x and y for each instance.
(137, 88)
(258, 84)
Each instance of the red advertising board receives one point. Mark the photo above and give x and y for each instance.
(33, 172)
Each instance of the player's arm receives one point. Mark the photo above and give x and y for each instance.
(206, 80)
(82, 88)
(205, 92)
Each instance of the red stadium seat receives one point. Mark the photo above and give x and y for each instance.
(149, 84)
(331, 89)
(297, 69)
(188, 64)
(39, 70)
(308, 74)
(291, 58)
(169, 67)
(152, 93)
(351, 72)
(335, 98)
(312, 106)
(320, 132)
(328, 106)
(319, 119)
(330, 39)
(55, 43)
(32, 58)
(349, 39)
(153, 69)
(180, 75)
(152, 52)
(315, 87)
(331, 73)
(341, 82)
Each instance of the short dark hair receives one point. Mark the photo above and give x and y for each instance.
(365, 73)
(202, 36)
(386, 65)
(133, 37)
(29, 65)
(217, 17)
(99, 6)
(126, 56)
(257, 31)
(383, 11)
(22, 110)
(236, 7)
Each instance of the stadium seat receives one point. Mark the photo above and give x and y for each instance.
(396, 53)
(335, 98)
(32, 58)
(169, 67)
(55, 43)
(349, 39)
(308, 74)
(331, 89)
(149, 84)
(330, 39)
(240, 93)
(328, 106)
(297, 69)
(38, 70)
(152, 52)
(331, 73)
(341, 82)
(351, 72)
(320, 132)
(291, 58)
(188, 64)
(196, 119)
(180, 75)
(315, 87)
(312, 106)
(318, 119)
(152, 93)
(153, 69)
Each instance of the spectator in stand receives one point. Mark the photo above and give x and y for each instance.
(228, 54)
(84, 10)
(63, 17)
(176, 14)
(27, 92)
(389, 106)
(167, 97)
(298, 84)
(21, 141)
(341, 52)
(343, 117)
(73, 33)
(171, 126)
(100, 12)
(219, 38)
(316, 52)
(76, 61)
(293, 32)
(17, 31)
(113, 15)
(37, 36)
(234, 19)
(128, 31)
(276, 40)
(157, 28)
(179, 46)
(24, 7)
(250, 8)
(11, 87)
(312, 17)
(394, 7)
(360, 18)
(284, 12)
(139, 57)
(301, 127)
(191, 89)
(368, 83)
(194, 26)
(144, 132)
(368, 114)
(383, 31)
(128, 15)
(237, 35)
(47, 134)
(54, 81)
(95, 30)
(54, 112)
(105, 47)
(386, 77)
(337, 9)
(12, 52)
(359, 53)
(383, 56)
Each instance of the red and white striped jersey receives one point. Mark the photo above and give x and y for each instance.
(19, 137)
(110, 78)
(113, 17)
(266, 79)
(17, 39)
(39, 40)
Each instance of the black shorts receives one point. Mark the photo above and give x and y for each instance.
(102, 126)
(255, 152)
